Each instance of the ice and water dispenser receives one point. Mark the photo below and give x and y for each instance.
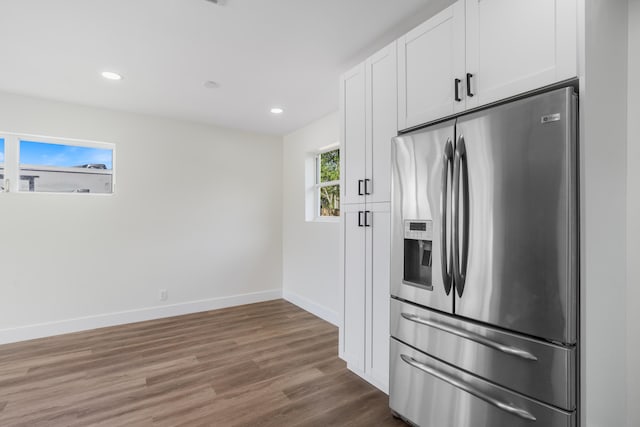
(418, 253)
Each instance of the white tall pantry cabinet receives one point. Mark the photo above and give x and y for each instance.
(368, 115)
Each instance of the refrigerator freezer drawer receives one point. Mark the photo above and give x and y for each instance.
(537, 369)
(430, 393)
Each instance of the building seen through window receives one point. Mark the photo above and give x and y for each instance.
(60, 168)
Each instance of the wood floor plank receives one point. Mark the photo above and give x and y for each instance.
(265, 364)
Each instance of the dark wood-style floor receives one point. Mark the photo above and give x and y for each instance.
(266, 364)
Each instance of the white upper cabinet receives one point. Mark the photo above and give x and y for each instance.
(480, 51)
(381, 122)
(352, 109)
(430, 59)
(514, 46)
(368, 113)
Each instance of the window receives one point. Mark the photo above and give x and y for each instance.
(327, 183)
(1, 164)
(59, 168)
(54, 165)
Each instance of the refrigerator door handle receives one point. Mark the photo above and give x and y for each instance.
(460, 255)
(513, 351)
(469, 388)
(445, 260)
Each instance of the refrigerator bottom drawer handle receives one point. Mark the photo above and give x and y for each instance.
(471, 336)
(463, 385)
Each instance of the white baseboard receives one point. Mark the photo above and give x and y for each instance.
(312, 307)
(48, 329)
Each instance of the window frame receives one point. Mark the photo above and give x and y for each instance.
(318, 185)
(12, 160)
(3, 164)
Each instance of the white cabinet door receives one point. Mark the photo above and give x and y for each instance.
(352, 108)
(381, 121)
(353, 334)
(430, 59)
(377, 268)
(514, 46)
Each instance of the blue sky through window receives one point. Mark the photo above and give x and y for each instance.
(1, 151)
(43, 154)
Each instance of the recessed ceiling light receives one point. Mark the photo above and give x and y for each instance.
(110, 75)
(210, 84)
(277, 110)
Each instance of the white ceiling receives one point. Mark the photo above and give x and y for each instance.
(263, 53)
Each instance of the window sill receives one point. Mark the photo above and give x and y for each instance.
(334, 219)
(59, 193)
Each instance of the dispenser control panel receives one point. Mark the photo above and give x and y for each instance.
(418, 230)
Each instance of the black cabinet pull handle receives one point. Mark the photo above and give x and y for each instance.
(366, 217)
(360, 218)
(360, 193)
(469, 93)
(366, 187)
(457, 89)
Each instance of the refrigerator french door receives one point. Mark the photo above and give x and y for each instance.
(417, 168)
(484, 266)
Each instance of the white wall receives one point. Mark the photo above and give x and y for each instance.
(310, 249)
(603, 221)
(197, 211)
(633, 218)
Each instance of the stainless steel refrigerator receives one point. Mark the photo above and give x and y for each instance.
(484, 269)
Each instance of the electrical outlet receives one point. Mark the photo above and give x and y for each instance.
(164, 294)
